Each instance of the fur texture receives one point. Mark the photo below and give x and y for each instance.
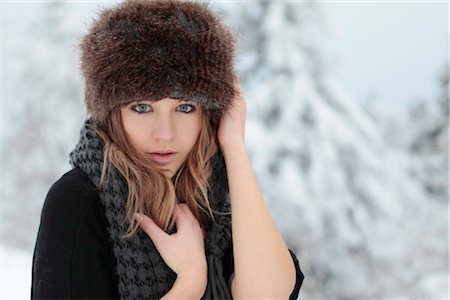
(150, 50)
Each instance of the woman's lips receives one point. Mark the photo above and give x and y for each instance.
(162, 158)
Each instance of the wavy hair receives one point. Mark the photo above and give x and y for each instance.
(150, 191)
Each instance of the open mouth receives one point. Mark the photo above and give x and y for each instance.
(162, 157)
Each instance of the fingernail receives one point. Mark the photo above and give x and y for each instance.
(138, 217)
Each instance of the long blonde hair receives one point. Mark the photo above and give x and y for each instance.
(150, 191)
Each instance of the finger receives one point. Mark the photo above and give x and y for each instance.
(185, 208)
(185, 218)
(157, 235)
(235, 78)
(180, 217)
(179, 209)
(188, 212)
(237, 82)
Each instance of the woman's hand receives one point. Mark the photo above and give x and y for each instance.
(232, 123)
(183, 251)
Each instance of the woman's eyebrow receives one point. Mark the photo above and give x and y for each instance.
(151, 102)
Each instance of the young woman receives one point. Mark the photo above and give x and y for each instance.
(162, 202)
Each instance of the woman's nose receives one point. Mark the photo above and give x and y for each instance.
(164, 129)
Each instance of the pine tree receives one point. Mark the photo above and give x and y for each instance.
(44, 113)
(430, 143)
(340, 191)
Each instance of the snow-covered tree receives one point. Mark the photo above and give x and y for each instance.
(42, 105)
(341, 194)
(430, 142)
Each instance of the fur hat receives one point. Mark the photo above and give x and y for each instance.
(150, 50)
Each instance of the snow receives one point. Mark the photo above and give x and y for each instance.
(15, 273)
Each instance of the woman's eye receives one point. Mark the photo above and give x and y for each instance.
(141, 108)
(187, 108)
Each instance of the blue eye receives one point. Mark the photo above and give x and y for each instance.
(187, 108)
(141, 108)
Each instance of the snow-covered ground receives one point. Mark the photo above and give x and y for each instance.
(15, 273)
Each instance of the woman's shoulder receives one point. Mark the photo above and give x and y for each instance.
(73, 257)
(72, 215)
(73, 181)
(70, 198)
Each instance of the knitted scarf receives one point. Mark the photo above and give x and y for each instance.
(142, 272)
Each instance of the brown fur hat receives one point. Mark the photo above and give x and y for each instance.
(153, 49)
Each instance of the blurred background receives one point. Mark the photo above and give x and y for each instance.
(347, 129)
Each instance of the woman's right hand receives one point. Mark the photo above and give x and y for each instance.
(183, 251)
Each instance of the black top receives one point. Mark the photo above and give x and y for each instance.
(73, 256)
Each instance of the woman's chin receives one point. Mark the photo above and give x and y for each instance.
(168, 173)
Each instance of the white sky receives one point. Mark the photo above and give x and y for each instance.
(392, 50)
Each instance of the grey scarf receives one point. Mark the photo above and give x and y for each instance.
(142, 272)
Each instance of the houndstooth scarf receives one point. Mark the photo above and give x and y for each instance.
(142, 272)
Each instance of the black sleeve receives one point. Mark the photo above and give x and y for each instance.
(228, 270)
(72, 257)
(299, 276)
(228, 265)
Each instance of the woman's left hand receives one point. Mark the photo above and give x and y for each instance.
(232, 124)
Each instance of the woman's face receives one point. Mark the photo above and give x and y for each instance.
(165, 125)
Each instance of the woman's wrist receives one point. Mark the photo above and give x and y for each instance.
(232, 146)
